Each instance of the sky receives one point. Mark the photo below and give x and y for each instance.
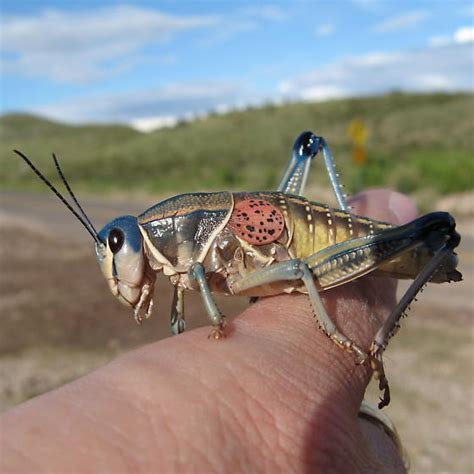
(148, 63)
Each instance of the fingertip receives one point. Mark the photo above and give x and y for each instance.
(385, 205)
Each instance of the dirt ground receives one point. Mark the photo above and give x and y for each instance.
(59, 322)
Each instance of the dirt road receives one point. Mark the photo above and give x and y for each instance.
(59, 321)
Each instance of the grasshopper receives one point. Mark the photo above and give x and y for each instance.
(265, 243)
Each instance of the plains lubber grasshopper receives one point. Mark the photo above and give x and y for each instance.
(265, 243)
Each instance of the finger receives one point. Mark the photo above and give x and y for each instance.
(275, 395)
(276, 391)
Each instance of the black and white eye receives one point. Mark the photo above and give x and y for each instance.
(115, 240)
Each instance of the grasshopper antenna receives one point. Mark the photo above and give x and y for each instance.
(64, 180)
(84, 221)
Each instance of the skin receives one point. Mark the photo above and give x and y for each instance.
(274, 396)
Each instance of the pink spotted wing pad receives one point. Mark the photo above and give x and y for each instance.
(256, 221)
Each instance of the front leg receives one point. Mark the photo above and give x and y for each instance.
(178, 323)
(145, 303)
(197, 272)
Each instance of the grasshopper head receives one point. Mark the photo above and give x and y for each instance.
(118, 247)
(122, 261)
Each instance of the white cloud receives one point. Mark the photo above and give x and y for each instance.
(154, 123)
(400, 22)
(325, 29)
(322, 92)
(319, 91)
(375, 59)
(447, 68)
(176, 101)
(86, 46)
(464, 35)
(461, 35)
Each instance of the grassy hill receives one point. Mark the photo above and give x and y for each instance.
(417, 143)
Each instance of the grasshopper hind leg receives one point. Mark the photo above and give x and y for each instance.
(391, 324)
(304, 150)
(324, 320)
(350, 260)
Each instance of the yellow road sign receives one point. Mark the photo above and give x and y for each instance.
(358, 132)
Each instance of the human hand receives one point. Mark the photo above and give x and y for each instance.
(275, 396)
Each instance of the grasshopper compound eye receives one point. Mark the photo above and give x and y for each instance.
(115, 240)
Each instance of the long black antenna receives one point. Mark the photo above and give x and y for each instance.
(38, 173)
(63, 178)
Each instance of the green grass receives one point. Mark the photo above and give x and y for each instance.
(416, 142)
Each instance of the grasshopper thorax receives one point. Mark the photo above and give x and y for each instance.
(121, 258)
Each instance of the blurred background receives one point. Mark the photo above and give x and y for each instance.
(142, 100)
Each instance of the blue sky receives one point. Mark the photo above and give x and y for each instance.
(149, 62)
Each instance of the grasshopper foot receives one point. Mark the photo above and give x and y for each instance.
(143, 308)
(376, 363)
(218, 332)
(384, 400)
(138, 318)
(344, 343)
